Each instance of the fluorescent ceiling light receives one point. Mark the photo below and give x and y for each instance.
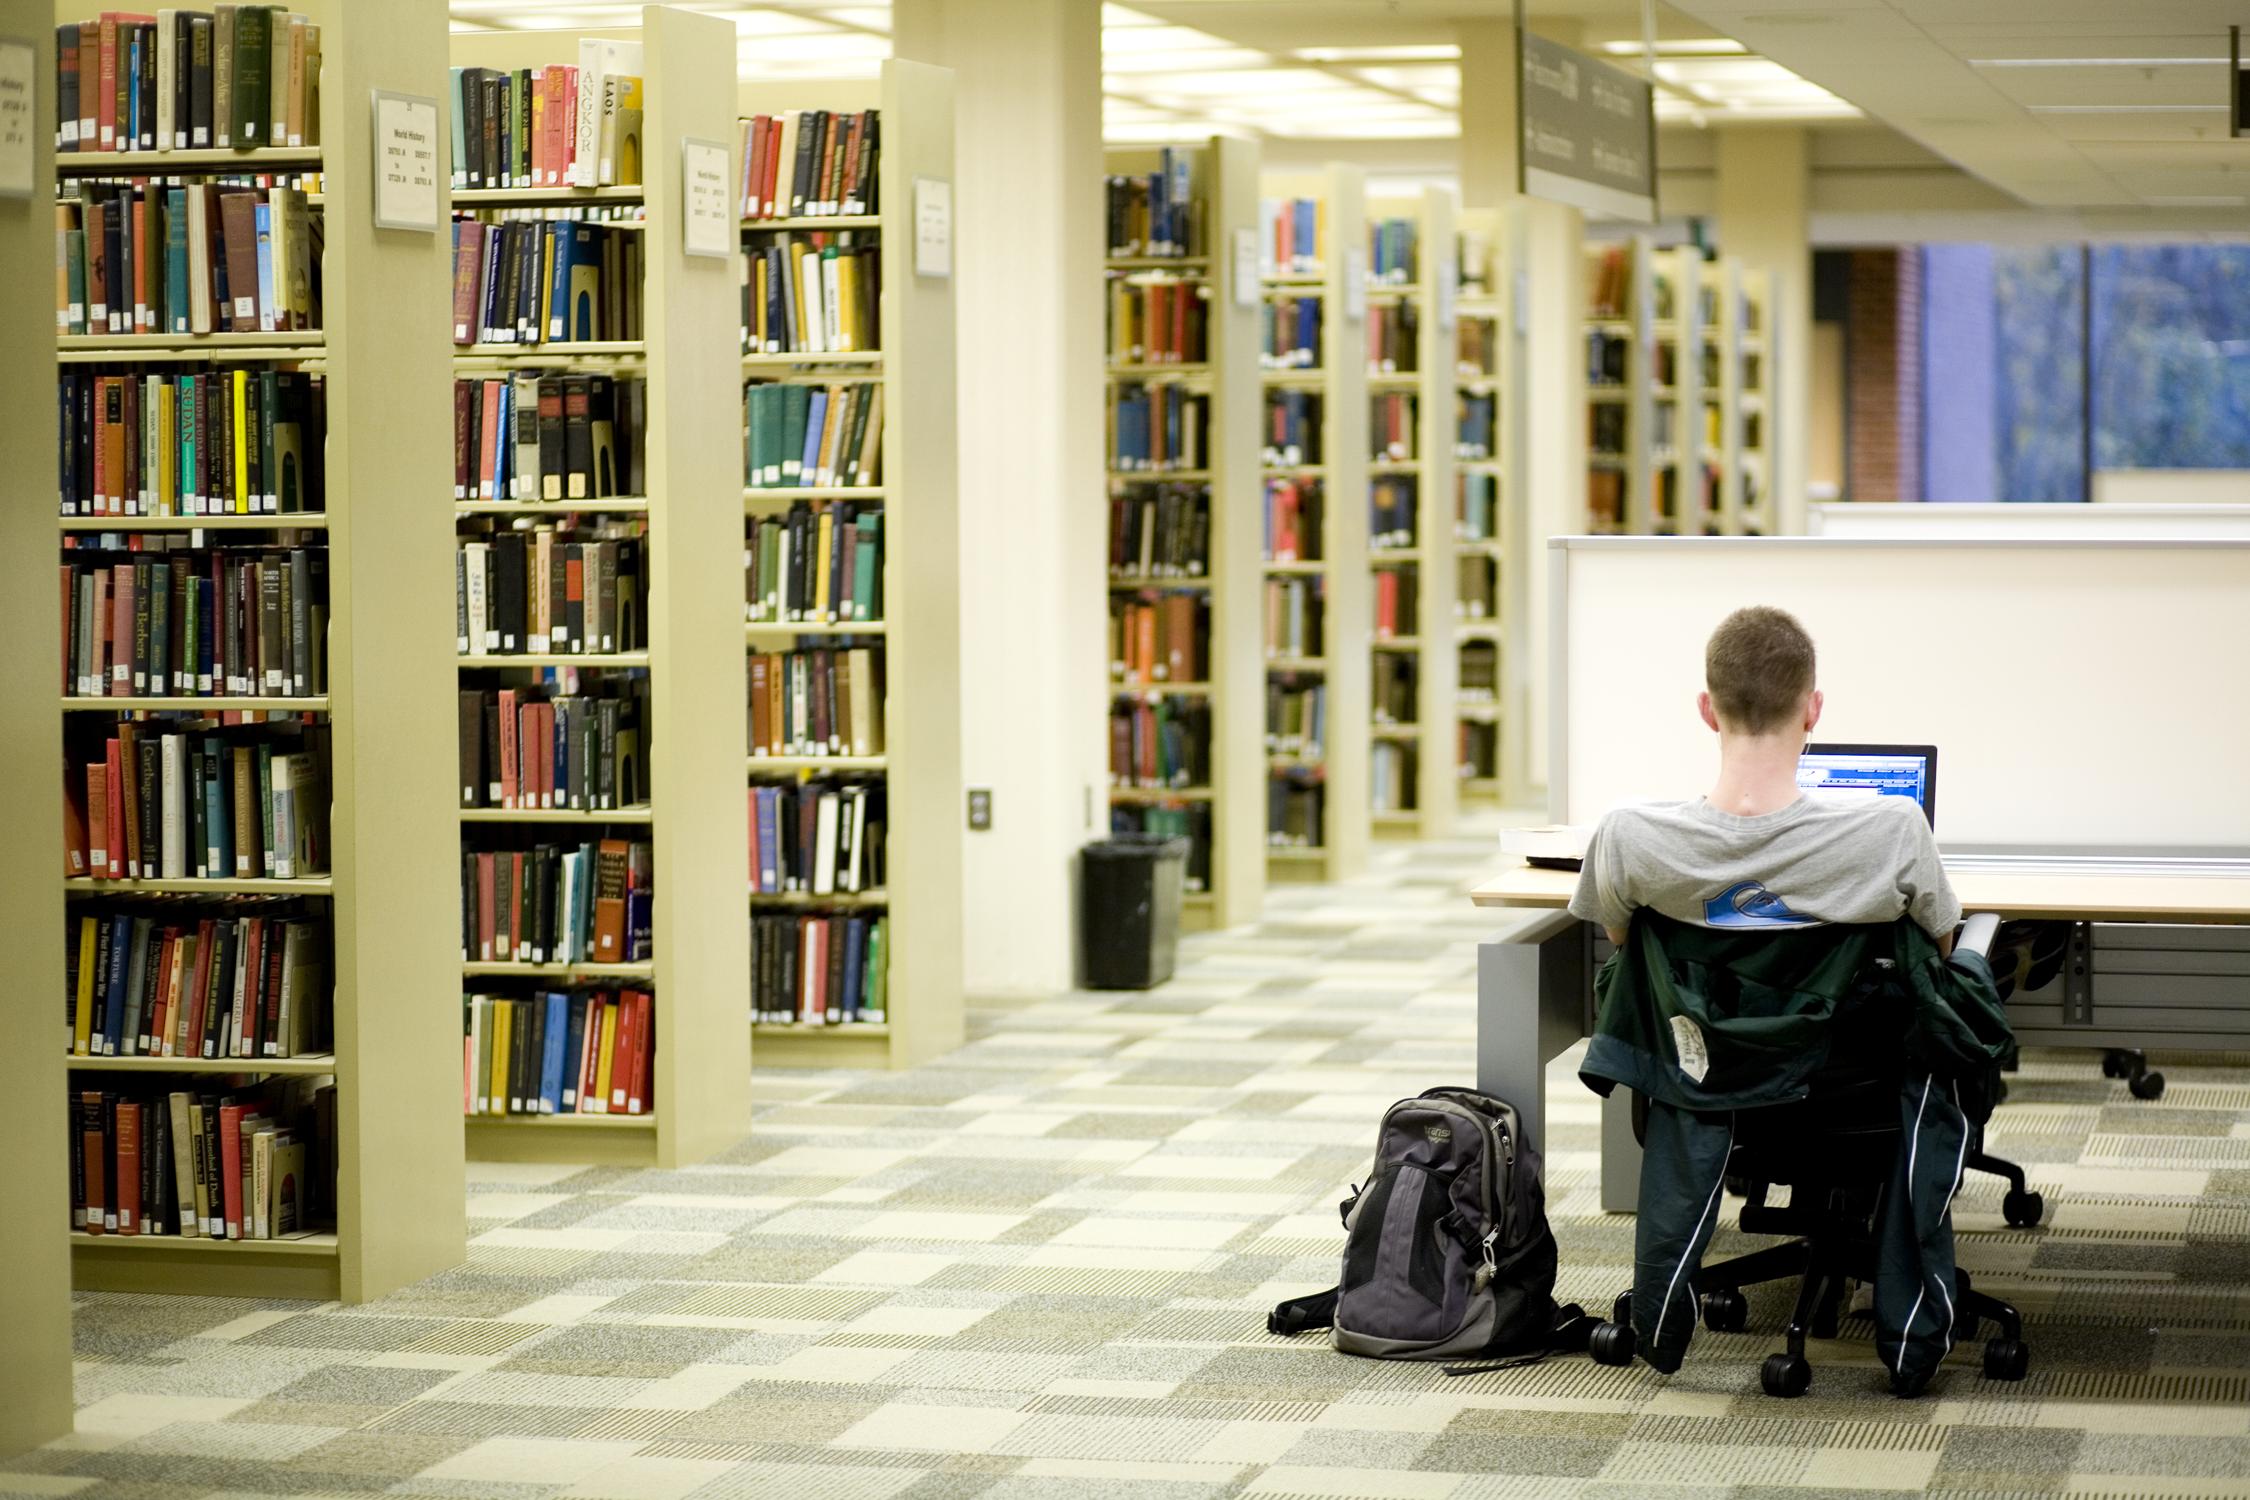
(2127, 109)
(1717, 46)
(1435, 52)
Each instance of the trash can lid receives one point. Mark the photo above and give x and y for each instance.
(1137, 846)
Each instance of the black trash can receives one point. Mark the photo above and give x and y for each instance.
(1129, 888)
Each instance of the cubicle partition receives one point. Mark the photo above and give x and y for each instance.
(1901, 521)
(2086, 697)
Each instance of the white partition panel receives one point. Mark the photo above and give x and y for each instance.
(2083, 696)
(1897, 521)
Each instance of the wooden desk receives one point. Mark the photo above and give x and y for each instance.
(2169, 952)
(2073, 897)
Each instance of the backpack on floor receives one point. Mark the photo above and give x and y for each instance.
(1447, 1253)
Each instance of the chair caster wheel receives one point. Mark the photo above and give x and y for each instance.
(2006, 1359)
(1621, 1311)
(1738, 1187)
(2023, 1210)
(2113, 1065)
(1785, 1375)
(1725, 1311)
(1611, 1344)
(2147, 1086)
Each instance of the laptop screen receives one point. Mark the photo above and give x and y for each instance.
(1874, 770)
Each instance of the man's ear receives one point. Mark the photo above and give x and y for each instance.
(1710, 715)
(1813, 707)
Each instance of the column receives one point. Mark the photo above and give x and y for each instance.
(1543, 435)
(1026, 266)
(1763, 187)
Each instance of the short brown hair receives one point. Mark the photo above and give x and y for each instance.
(1758, 667)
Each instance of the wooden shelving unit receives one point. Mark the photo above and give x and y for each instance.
(1340, 769)
(395, 1066)
(1485, 458)
(35, 1379)
(1751, 430)
(694, 734)
(1620, 396)
(1424, 648)
(1684, 503)
(1224, 177)
(918, 640)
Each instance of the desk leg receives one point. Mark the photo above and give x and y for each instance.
(1534, 992)
(1621, 1155)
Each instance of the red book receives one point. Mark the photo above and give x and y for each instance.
(128, 1168)
(114, 784)
(253, 974)
(574, 597)
(269, 1033)
(105, 102)
(509, 778)
(543, 755)
(515, 906)
(621, 1056)
(93, 1149)
(493, 442)
(230, 1166)
(644, 1053)
(97, 819)
(589, 1058)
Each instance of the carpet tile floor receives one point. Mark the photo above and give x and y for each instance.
(1039, 1267)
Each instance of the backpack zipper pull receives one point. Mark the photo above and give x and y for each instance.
(1491, 1262)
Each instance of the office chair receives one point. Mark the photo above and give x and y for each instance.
(2030, 956)
(1835, 1152)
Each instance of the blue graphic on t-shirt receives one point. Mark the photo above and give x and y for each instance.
(1749, 904)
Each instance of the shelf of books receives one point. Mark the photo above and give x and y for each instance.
(1484, 446)
(1621, 410)
(1413, 432)
(1187, 752)
(600, 952)
(1751, 363)
(1313, 251)
(850, 550)
(251, 659)
(1683, 498)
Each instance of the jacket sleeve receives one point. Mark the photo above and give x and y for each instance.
(1959, 1029)
(1683, 1166)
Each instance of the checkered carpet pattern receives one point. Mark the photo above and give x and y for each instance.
(1040, 1267)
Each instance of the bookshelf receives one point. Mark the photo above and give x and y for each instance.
(1683, 500)
(1413, 759)
(916, 644)
(1751, 432)
(1621, 461)
(397, 1191)
(35, 1381)
(1224, 809)
(1487, 447)
(1326, 767)
(691, 668)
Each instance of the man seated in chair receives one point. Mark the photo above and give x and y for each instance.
(1769, 942)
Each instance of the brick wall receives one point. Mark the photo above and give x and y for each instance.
(1883, 376)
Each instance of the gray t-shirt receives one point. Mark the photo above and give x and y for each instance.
(1820, 859)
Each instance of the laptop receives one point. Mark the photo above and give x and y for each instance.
(1873, 770)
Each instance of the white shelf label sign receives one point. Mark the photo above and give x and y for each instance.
(1246, 268)
(1355, 285)
(703, 195)
(933, 227)
(406, 161)
(19, 116)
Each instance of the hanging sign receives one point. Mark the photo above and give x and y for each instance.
(1589, 131)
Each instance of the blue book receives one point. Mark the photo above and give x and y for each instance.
(551, 1069)
(574, 1048)
(218, 827)
(113, 983)
(488, 312)
(558, 292)
(130, 127)
(816, 421)
(769, 838)
(460, 139)
(640, 926)
(855, 954)
(267, 300)
(175, 260)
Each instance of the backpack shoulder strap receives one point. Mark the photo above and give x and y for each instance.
(1304, 1314)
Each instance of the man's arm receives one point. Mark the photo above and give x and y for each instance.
(1922, 881)
(1602, 895)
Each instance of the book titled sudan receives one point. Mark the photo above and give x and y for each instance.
(234, 442)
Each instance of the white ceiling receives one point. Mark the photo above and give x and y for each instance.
(2098, 104)
(1330, 70)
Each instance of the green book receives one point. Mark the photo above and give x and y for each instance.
(74, 256)
(186, 422)
(265, 810)
(175, 260)
(252, 107)
(876, 1010)
(796, 411)
(868, 567)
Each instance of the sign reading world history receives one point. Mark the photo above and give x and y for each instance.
(1589, 132)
